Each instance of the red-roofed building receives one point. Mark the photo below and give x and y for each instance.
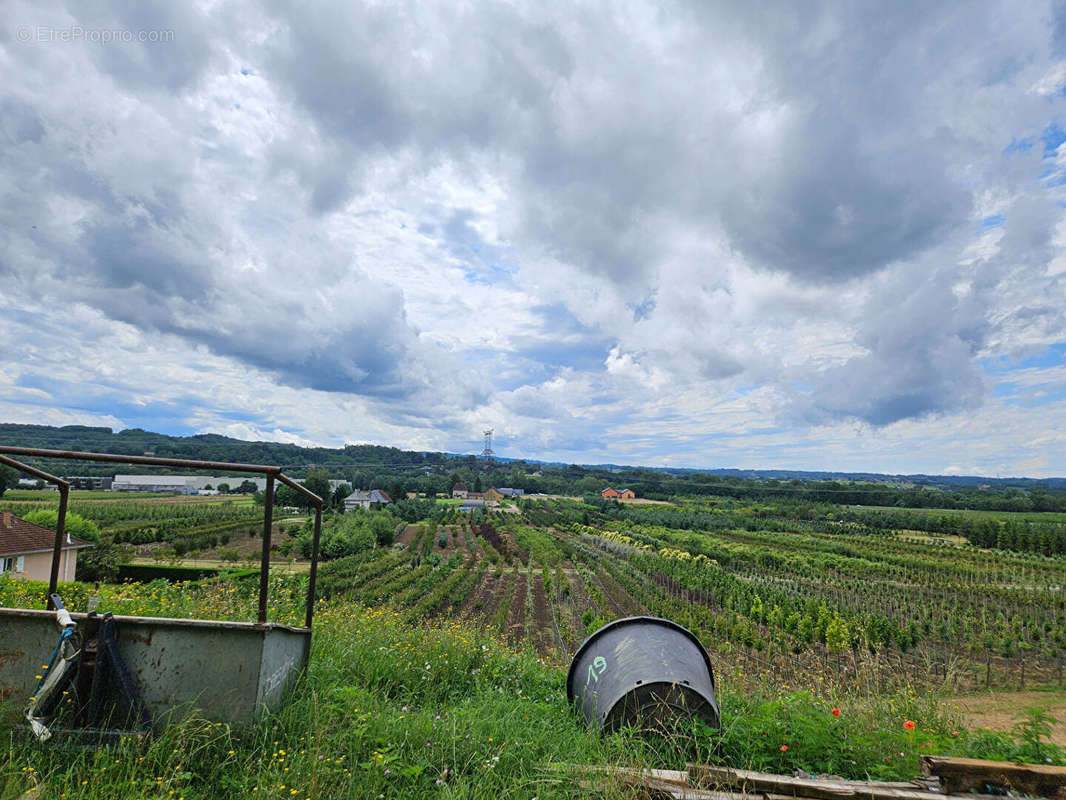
(26, 550)
(459, 490)
(609, 493)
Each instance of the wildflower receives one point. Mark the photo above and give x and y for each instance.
(954, 733)
(836, 712)
(909, 725)
(784, 748)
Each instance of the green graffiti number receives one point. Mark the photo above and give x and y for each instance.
(596, 668)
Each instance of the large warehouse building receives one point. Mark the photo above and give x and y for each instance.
(180, 484)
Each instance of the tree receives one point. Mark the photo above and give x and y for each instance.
(74, 524)
(247, 487)
(287, 497)
(101, 563)
(477, 482)
(342, 491)
(8, 478)
(317, 482)
(224, 488)
(397, 492)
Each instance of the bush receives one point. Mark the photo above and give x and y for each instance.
(75, 524)
(101, 563)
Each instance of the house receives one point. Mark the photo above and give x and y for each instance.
(494, 494)
(360, 499)
(26, 550)
(459, 490)
(609, 494)
(626, 494)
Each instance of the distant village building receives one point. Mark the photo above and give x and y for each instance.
(470, 505)
(494, 494)
(615, 494)
(179, 484)
(507, 491)
(88, 481)
(359, 499)
(626, 494)
(459, 490)
(26, 550)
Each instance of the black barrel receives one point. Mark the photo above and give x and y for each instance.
(642, 671)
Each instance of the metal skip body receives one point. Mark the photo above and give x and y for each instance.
(642, 671)
(230, 670)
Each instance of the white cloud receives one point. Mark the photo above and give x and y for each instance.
(724, 235)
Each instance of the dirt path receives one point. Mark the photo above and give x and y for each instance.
(544, 627)
(1001, 710)
(482, 601)
(516, 616)
(408, 535)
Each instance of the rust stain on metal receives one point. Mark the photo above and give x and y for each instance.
(10, 655)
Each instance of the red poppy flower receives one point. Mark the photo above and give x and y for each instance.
(784, 747)
(836, 712)
(909, 725)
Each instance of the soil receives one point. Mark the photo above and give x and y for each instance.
(1001, 710)
(482, 601)
(408, 535)
(544, 628)
(515, 626)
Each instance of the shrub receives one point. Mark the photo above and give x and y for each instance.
(75, 524)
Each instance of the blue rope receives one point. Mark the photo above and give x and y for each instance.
(66, 634)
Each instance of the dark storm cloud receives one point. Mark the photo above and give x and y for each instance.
(608, 134)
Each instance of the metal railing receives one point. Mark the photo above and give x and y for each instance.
(273, 474)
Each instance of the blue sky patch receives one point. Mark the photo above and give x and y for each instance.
(1052, 137)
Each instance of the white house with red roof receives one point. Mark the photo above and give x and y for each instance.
(26, 550)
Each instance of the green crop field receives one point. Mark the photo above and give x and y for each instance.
(439, 659)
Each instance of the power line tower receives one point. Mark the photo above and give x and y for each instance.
(487, 452)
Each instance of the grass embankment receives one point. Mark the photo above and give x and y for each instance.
(395, 710)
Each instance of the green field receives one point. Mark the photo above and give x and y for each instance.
(439, 660)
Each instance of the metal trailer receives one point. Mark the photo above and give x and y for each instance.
(229, 671)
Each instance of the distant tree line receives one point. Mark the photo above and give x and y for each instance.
(428, 474)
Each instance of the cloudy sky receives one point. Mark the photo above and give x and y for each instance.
(814, 235)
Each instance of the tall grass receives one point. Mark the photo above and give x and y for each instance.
(397, 710)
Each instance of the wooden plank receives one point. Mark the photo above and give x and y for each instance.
(724, 783)
(820, 789)
(963, 774)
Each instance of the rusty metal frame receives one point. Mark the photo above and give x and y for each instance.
(273, 474)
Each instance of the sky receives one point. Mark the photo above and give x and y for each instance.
(825, 235)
